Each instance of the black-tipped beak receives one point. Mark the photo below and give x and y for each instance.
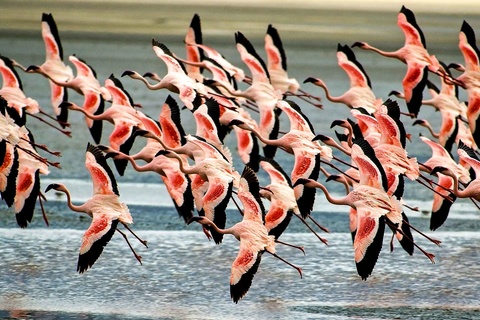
(332, 177)
(162, 153)
(194, 219)
(300, 181)
(50, 187)
(357, 44)
(321, 137)
(235, 122)
(340, 123)
(419, 121)
(127, 73)
(32, 68)
(437, 169)
(65, 104)
(310, 79)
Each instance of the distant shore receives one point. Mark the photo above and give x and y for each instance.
(298, 21)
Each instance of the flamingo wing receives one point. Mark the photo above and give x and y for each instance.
(194, 36)
(162, 51)
(9, 75)
(413, 34)
(95, 238)
(307, 165)
(413, 83)
(121, 139)
(250, 57)
(468, 47)
(441, 206)
(8, 172)
(215, 202)
(179, 187)
(249, 194)
(368, 240)
(26, 193)
(173, 134)
(102, 176)
(355, 71)
(243, 270)
(53, 45)
(473, 114)
(277, 59)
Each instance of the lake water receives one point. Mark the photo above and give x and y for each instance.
(184, 276)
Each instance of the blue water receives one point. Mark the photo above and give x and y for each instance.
(183, 275)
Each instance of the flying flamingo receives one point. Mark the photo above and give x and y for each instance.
(277, 68)
(104, 207)
(177, 183)
(470, 78)
(360, 94)
(252, 234)
(283, 204)
(54, 67)
(472, 190)
(443, 199)
(176, 80)
(415, 55)
(12, 92)
(371, 203)
(216, 173)
(122, 115)
(86, 83)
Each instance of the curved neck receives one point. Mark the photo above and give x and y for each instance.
(70, 204)
(217, 229)
(338, 201)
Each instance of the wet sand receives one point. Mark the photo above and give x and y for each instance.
(315, 22)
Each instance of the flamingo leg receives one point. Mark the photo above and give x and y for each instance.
(144, 242)
(62, 123)
(429, 255)
(301, 248)
(287, 262)
(44, 214)
(138, 257)
(324, 229)
(310, 228)
(65, 132)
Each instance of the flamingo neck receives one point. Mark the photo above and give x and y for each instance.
(70, 204)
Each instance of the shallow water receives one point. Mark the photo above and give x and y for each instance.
(184, 276)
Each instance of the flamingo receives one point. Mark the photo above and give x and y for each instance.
(472, 190)
(122, 115)
(283, 204)
(470, 78)
(260, 91)
(299, 142)
(216, 174)
(360, 94)
(177, 183)
(252, 234)
(194, 53)
(415, 55)
(104, 207)
(176, 80)
(86, 83)
(54, 67)
(443, 198)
